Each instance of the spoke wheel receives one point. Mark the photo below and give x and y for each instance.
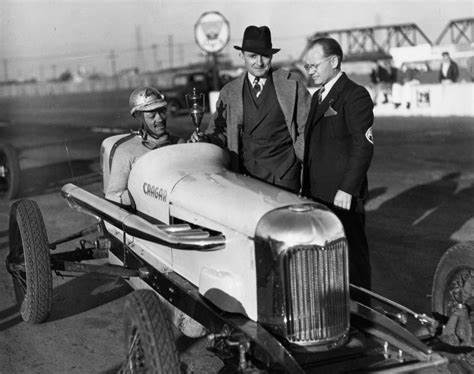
(28, 261)
(148, 336)
(9, 172)
(453, 282)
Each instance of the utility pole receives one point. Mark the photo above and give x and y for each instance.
(170, 50)
(154, 47)
(41, 72)
(181, 53)
(5, 69)
(140, 57)
(113, 63)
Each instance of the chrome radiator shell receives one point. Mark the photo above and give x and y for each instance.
(302, 276)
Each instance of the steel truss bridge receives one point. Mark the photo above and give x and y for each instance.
(374, 43)
(460, 31)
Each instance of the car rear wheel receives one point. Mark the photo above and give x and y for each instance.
(9, 172)
(148, 336)
(453, 301)
(453, 282)
(28, 261)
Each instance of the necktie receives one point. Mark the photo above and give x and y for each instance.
(256, 86)
(320, 94)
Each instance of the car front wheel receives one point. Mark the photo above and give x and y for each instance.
(29, 261)
(148, 336)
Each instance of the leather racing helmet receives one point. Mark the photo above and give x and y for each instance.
(145, 99)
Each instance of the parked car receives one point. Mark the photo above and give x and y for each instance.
(259, 271)
(9, 172)
(183, 84)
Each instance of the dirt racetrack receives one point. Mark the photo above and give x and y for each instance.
(421, 201)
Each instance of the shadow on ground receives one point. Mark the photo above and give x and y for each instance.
(10, 317)
(74, 297)
(84, 293)
(49, 178)
(409, 233)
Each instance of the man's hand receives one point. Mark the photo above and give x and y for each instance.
(343, 200)
(196, 137)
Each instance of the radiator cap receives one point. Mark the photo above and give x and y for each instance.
(300, 224)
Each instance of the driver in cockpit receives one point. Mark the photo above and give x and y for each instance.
(148, 106)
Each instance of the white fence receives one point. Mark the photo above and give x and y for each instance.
(162, 80)
(431, 100)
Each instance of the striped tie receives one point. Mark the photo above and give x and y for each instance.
(256, 86)
(320, 94)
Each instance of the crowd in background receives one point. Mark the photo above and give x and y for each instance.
(392, 85)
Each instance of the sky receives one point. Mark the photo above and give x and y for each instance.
(38, 37)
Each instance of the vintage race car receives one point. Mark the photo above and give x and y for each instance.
(259, 271)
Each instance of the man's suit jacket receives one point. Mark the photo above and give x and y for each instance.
(338, 142)
(226, 124)
(452, 73)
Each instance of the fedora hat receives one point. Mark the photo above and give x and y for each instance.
(257, 40)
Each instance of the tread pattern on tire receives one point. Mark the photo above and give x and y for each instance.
(460, 255)
(143, 311)
(28, 230)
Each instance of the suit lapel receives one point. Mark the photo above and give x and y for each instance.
(330, 98)
(286, 94)
(238, 101)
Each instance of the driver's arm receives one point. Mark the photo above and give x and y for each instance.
(116, 189)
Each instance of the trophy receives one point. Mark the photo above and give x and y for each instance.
(195, 103)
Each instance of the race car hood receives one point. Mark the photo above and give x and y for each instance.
(195, 178)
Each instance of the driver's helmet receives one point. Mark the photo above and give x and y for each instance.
(145, 99)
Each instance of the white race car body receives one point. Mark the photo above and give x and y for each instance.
(190, 183)
(232, 255)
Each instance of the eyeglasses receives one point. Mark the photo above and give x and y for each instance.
(308, 67)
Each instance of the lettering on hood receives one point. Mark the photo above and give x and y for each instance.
(155, 192)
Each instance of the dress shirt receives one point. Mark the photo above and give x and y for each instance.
(328, 85)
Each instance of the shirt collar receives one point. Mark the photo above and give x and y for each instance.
(330, 84)
(252, 78)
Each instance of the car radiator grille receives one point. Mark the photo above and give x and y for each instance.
(317, 293)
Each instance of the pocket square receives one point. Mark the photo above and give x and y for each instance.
(330, 112)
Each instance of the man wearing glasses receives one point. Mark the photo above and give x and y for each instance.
(260, 116)
(338, 149)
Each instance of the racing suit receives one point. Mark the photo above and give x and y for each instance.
(122, 160)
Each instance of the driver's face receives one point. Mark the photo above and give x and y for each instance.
(155, 121)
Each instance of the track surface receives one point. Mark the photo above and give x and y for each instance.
(422, 201)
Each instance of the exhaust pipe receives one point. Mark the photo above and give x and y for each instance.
(173, 236)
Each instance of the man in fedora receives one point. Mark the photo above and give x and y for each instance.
(260, 116)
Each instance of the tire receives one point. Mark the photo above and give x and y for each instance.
(29, 250)
(9, 172)
(454, 270)
(148, 336)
